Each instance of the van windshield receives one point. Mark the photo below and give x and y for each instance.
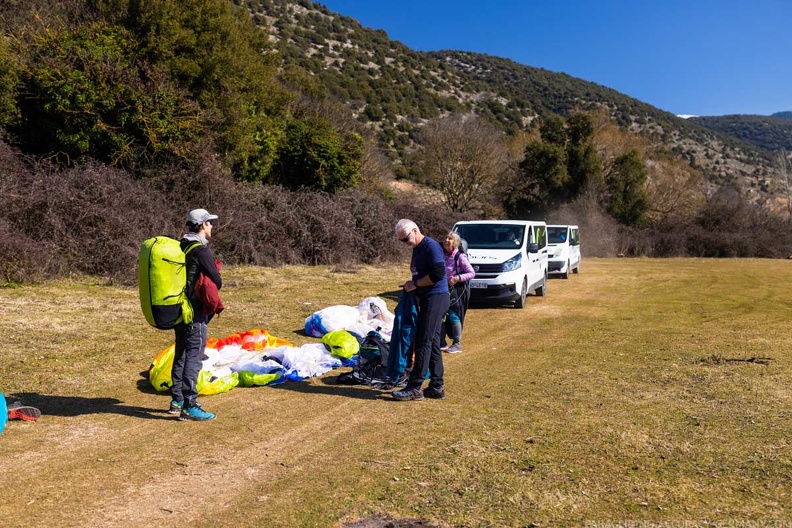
(556, 235)
(492, 236)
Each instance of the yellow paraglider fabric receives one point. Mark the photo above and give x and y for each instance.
(251, 340)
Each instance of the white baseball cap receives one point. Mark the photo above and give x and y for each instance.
(199, 216)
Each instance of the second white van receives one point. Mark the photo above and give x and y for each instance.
(509, 258)
(563, 250)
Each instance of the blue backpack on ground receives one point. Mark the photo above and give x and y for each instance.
(3, 412)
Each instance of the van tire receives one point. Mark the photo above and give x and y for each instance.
(541, 291)
(520, 302)
(565, 275)
(576, 270)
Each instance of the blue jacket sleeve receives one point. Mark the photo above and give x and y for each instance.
(404, 327)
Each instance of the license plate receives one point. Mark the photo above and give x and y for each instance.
(478, 284)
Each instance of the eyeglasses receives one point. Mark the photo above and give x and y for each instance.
(407, 238)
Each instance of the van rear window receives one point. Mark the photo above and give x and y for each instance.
(492, 236)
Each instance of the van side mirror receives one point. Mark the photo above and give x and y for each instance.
(533, 247)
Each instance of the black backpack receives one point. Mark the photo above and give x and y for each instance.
(463, 246)
(461, 292)
(372, 362)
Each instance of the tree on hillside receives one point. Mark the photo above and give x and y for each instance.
(583, 164)
(626, 193)
(316, 156)
(552, 131)
(85, 94)
(540, 184)
(464, 157)
(674, 189)
(321, 149)
(131, 81)
(212, 48)
(556, 169)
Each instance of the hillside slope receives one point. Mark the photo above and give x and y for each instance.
(767, 132)
(395, 89)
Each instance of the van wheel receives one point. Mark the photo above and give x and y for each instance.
(577, 269)
(541, 291)
(520, 302)
(565, 275)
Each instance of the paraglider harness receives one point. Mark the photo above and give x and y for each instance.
(371, 365)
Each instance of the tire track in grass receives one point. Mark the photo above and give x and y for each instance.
(205, 485)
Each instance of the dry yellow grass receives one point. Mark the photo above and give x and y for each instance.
(635, 391)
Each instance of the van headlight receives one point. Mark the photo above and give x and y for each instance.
(513, 263)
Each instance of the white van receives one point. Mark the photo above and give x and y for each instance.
(563, 250)
(509, 258)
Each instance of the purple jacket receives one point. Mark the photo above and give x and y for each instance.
(459, 267)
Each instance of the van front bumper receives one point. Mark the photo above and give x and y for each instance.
(495, 293)
(556, 266)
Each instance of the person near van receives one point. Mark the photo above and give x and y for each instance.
(191, 338)
(430, 287)
(458, 273)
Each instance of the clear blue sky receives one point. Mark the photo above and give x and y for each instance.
(701, 57)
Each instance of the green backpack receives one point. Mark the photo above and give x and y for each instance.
(162, 282)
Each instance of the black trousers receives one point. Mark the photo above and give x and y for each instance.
(428, 339)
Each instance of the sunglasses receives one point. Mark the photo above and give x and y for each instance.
(407, 238)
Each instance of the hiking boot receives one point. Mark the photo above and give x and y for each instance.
(435, 394)
(454, 349)
(409, 394)
(196, 414)
(24, 412)
(177, 406)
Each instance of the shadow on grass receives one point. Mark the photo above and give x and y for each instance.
(51, 405)
(328, 385)
(391, 295)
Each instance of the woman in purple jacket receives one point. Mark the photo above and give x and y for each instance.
(459, 272)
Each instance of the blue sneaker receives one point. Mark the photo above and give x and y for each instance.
(196, 414)
(177, 406)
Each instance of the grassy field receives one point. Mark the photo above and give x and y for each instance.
(656, 392)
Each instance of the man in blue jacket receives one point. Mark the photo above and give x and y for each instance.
(430, 287)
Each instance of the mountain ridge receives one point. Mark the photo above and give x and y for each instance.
(768, 132)
(394, 90)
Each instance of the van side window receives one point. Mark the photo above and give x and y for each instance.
(541, 236)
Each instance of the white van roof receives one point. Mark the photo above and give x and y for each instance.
(502, 222)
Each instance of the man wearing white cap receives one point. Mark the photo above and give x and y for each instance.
(191, 338)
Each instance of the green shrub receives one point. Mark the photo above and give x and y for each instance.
(88, 96)
(316, 156)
